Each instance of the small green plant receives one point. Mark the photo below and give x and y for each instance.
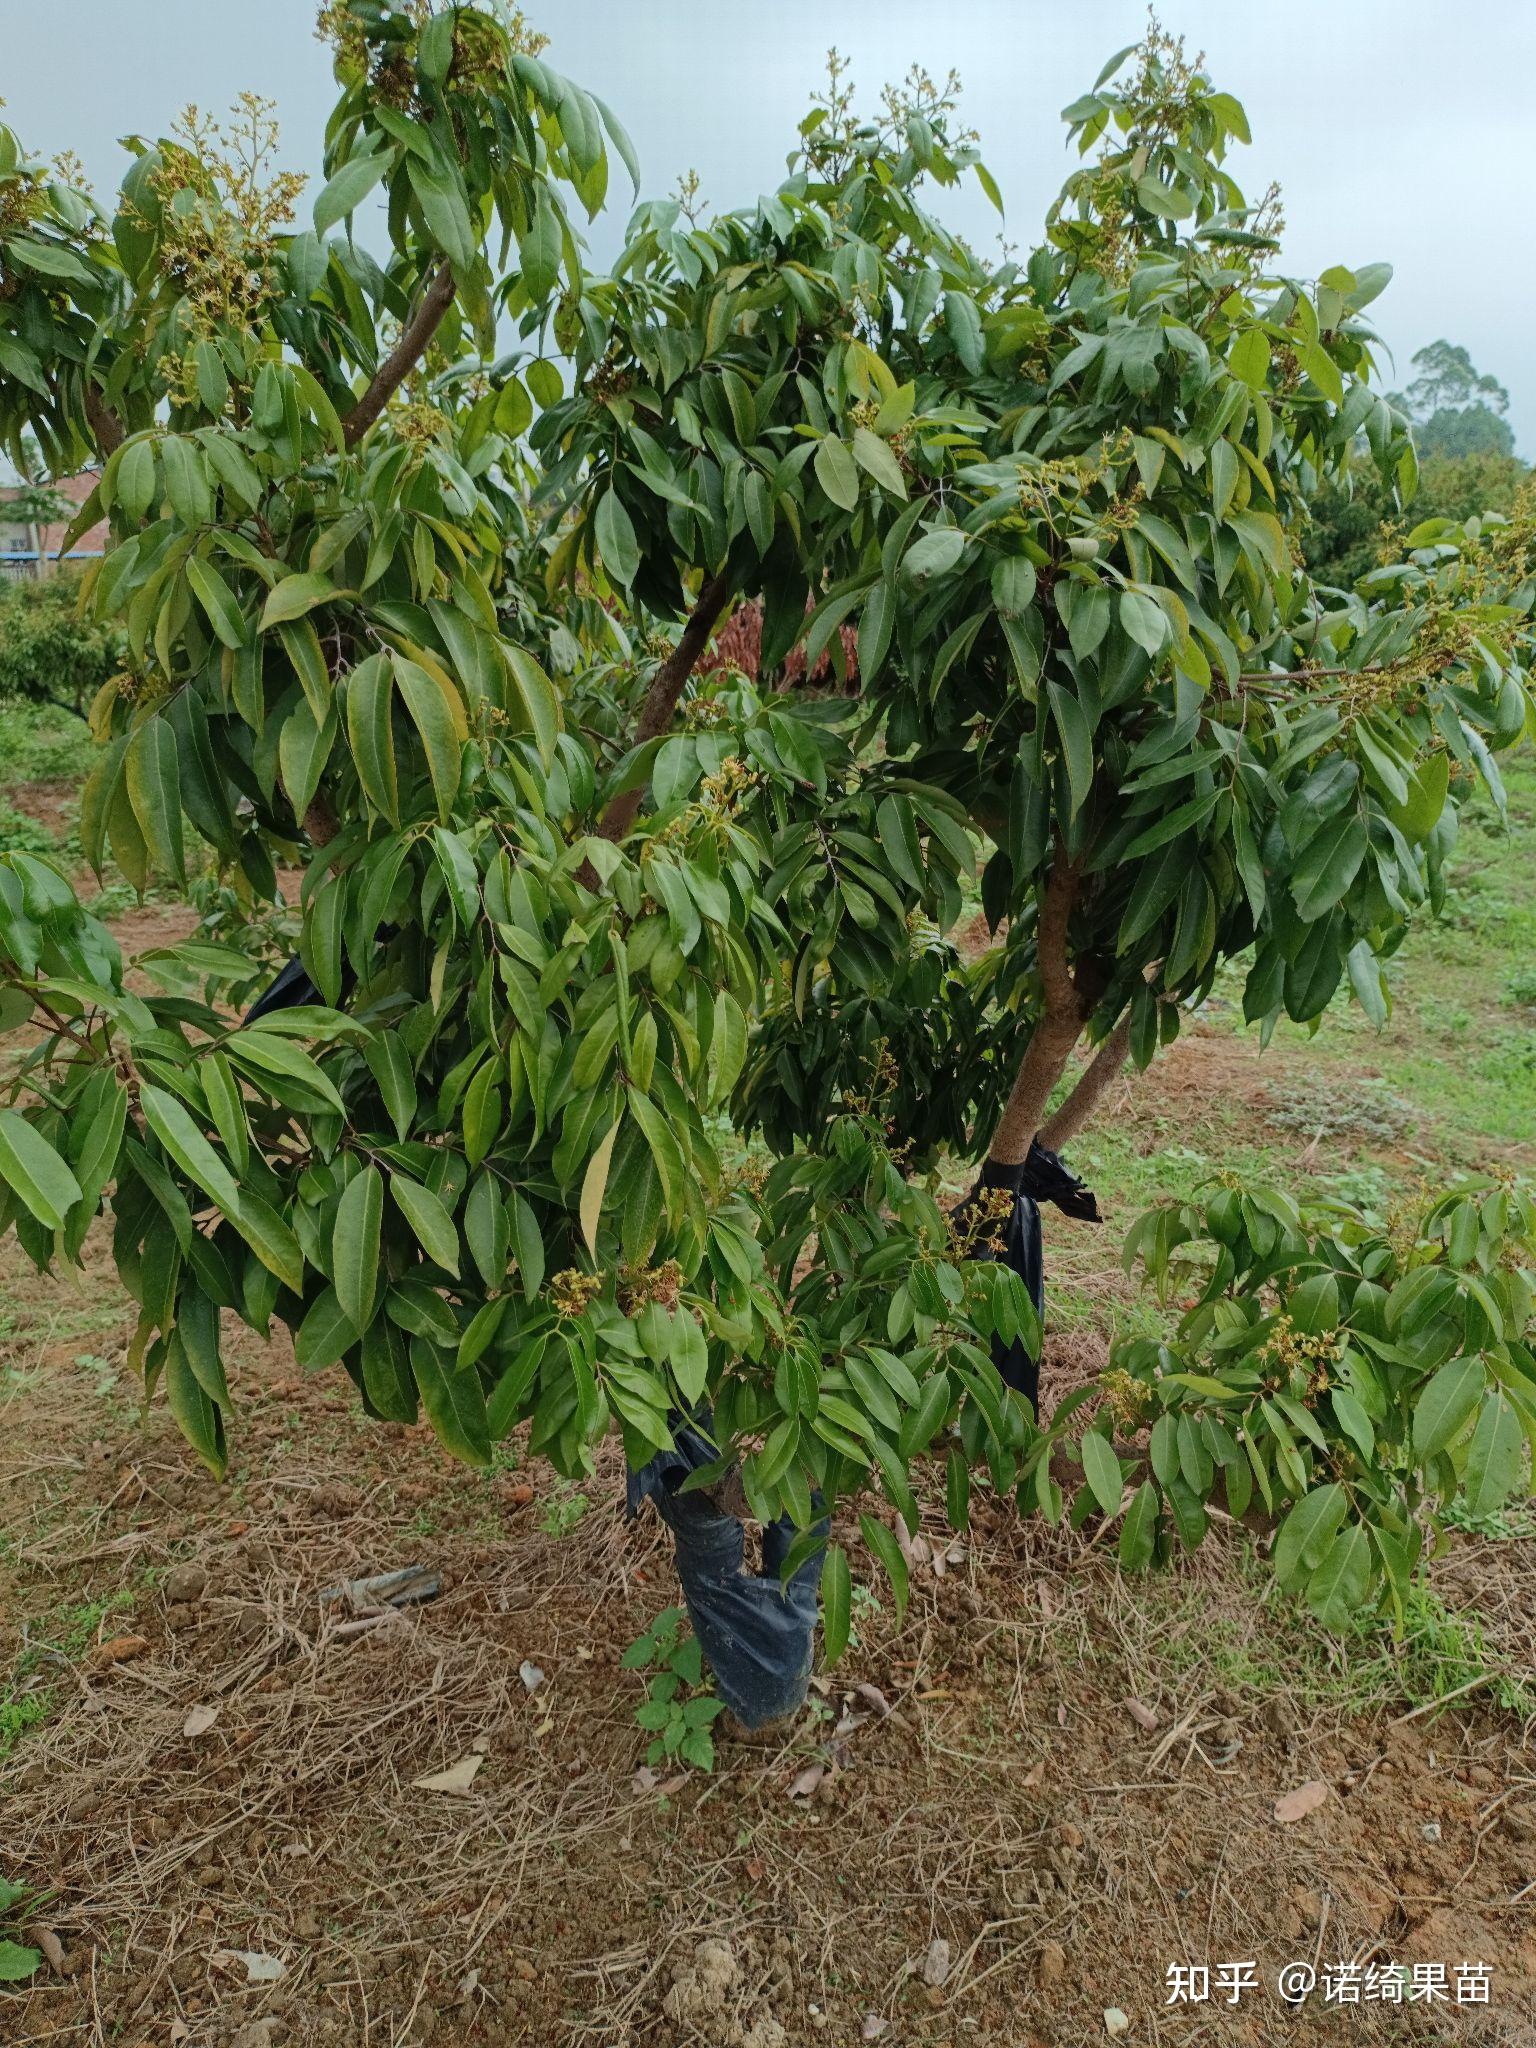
(678, 1709)
(1520, 985)
(17, 1962)
(18, 1713)
(1362, 1379)
(563, 1510)
(21, 834)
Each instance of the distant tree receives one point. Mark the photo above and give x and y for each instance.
(1352, 515)
(33, 503)
(1456, 410)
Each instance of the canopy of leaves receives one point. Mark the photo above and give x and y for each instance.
(417, 612)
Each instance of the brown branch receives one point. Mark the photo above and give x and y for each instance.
(321, 823)
(1061, 1023)
(1092, 1085)
(105, 424)
(404, 356)
(666, 688)
(1307, 675)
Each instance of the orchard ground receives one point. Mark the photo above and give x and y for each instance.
(209, 1777)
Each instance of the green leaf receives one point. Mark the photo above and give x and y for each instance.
(152, 778)
(1341, 1585)
(1014, 581)
(1224, 468)
(218, 601)
(1168, 202)
(1328, 863)
(1076, 743)
(727, 1045)
(349, 187)
(294, 596)
(539, 251)
(934, 554)
(527, 1246)
(1445, 1405)
(616, 541)
(1306, 1532)
(186, 480)
(482, 1112)
(135, 478)
(836, 1604)
(1495, 1455)
(196, 1415)
(1142, 617)
(882, 1541)
(1249, 359)
(355, 1246)
(428, 702)
(836, 471)
(34, 1171)
(962, 323)
(390, 1065)
(270, 1239)
(1102, 1469)
(173, 1126)
(689, 1357)
(325, 1335)
(370, 696)
(875, 455)
(435, 1229)
(1322, 369)
(455, 1404)
(17, 1964)
(1138, 1532)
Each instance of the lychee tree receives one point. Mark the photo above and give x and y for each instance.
(416, 561)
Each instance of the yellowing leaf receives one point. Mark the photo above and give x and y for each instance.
(594, 1185)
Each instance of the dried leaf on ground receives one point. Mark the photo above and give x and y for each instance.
(117, 1650)
(1305, 1799)
(260, 1968)
(457, 1779)
(936, 1963)
(1142, 1715)
(51, 1947)
(199, 1719)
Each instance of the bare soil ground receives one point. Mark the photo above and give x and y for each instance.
(209, 1774)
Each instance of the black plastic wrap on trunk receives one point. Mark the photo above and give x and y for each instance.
(1039, 1178)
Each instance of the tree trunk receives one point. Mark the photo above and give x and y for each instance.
(403, 357)
(104, 423)
(666, 688)
(1093, 1084)
(1060, 1027)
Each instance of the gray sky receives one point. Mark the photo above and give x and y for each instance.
(1399, 130)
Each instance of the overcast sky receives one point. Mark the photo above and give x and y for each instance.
(1398, 129)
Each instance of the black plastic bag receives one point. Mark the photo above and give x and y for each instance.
(1039, 1178)
(754, 1629)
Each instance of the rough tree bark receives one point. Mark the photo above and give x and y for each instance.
(667, 685)
(1093, 1084)
(1063, 1016)
(404, 356)
(104, 422)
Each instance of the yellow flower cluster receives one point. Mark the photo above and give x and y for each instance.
(572, 1291)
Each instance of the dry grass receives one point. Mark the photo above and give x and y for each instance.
(1012, 1800)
